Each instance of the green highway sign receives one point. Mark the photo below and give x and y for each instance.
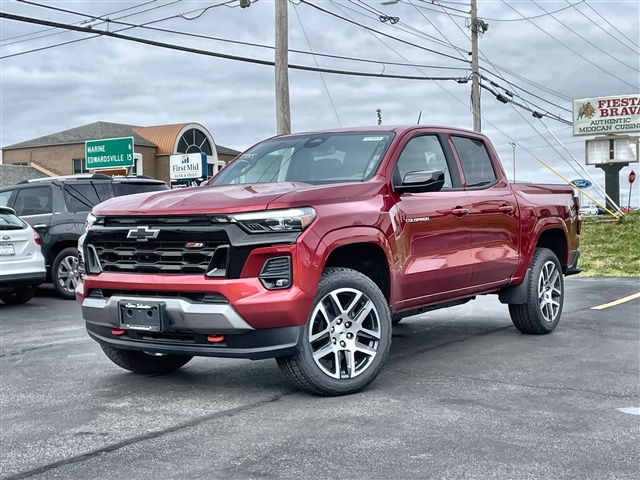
(108, 153)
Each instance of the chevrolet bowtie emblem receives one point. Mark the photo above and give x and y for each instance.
(143, 234)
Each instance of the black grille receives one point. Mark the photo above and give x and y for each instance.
(154, 257)
(183, 250)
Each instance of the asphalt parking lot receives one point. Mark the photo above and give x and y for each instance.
(463, 395)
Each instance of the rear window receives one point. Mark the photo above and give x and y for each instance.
(8, 221)
(475, 161)
(84, 196)
(126, 188)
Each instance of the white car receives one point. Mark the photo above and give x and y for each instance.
(21, 261)
(588, 210)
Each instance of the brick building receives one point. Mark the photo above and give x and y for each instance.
(63, 153)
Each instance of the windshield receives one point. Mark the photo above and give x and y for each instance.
(9, 221)
(315, 159)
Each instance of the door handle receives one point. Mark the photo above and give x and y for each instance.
(460, 212)
(506, 209)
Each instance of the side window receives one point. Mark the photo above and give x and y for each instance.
(33, 201)
(82, 197)
(79, 165)
(475, 161)
(423, 153)
(4, 198)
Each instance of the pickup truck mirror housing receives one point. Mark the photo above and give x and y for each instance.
(421, 181)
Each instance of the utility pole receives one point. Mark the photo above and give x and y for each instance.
(283, 114)
(475, 76)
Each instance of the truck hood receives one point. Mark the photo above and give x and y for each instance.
(219, 199)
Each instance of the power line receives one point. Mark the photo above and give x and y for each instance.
(257, 61)
(571, 49)
(529, 82)
(612, 26)
(49, 29)
(600, 27)
(393, 21)
(236, 42)
(436, 28)
(526, 91)
(434, 10)
(534, 16)
(379, 32)
(590, 43)
(295, 9)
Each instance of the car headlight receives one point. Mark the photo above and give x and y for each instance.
(91, 219)
(289, 220)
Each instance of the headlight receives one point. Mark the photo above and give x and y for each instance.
(290, 220)
(91, 219)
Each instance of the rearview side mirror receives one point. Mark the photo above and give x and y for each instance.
(421, 181)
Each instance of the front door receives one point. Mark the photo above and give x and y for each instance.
(432, 228)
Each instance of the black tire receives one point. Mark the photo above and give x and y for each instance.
(357, 323)
(546, 283)
(63, 273)
(18, 296)
(141, 362)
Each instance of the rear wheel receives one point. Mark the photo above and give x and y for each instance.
(18, 296)
(63, 273)
(142, 362)
(346, 339)
(545, 297)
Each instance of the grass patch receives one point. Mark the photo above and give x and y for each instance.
(610, 248)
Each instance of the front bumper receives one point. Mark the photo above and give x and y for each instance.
(254, 344)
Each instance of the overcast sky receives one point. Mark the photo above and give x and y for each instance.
(113, 80)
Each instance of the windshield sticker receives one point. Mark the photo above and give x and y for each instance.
(248, 155)
(372, 139)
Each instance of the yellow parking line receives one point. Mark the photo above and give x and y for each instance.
(616, 302)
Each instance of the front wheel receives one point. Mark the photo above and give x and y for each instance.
(18, 296)
(545, 296)
(142, 362)
(63, 273)
(346, 339)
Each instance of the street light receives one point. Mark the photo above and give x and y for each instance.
(513, 146)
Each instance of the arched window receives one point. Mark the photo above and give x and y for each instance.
(194, 141)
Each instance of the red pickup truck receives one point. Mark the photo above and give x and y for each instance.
(308, 247)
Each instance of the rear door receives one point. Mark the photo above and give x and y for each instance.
(432, 229)
(493, 220)
(34, 204)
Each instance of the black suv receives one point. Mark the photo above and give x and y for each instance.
(57, 208)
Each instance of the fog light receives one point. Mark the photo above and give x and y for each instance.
(281, 282)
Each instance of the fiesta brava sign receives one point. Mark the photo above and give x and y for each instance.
(619, 114)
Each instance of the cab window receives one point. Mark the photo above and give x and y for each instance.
(475, 161)
(423, 153)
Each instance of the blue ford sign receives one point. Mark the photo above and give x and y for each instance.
(581, 183)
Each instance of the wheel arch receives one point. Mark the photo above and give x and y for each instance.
(365, 250)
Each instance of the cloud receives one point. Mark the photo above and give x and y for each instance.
(118, 81)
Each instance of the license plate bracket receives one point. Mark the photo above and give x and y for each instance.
(7, 249)
(141, 315)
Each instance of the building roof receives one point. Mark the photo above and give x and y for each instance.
(12, 174)
(161, 136)
(91, 131)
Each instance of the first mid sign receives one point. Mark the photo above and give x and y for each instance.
(108, 153)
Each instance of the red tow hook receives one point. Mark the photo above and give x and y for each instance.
(215, 338)
(118, 331)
